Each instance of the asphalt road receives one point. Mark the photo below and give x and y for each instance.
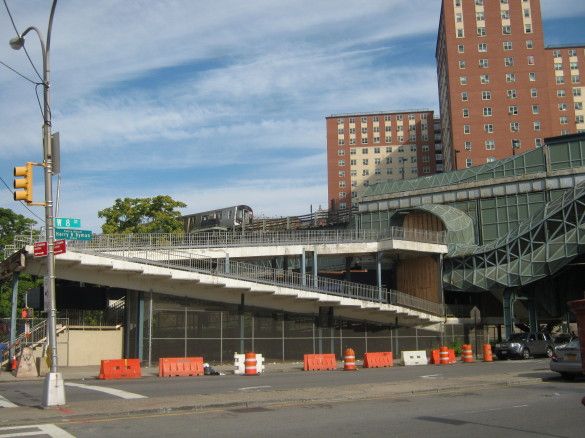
(550, 409)
(29, 393)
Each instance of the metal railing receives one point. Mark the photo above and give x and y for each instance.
(105, 242)
(264, 275)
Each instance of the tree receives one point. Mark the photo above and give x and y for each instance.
(12, 224)
(143, 215)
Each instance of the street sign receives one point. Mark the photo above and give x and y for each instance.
(41, 249)
(67, 222)
(62, 233)
(60, 247)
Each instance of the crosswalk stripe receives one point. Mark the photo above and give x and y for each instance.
(34, 429)
(6, 404)
(112, 391)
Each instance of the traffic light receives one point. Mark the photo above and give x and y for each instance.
(25, 183)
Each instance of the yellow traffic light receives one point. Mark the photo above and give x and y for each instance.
(25, 183)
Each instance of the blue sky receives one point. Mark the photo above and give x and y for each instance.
(215, 103)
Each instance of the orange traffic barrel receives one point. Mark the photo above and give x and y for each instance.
(466, 353)
(250, 364)
(349, 360)
(487, 353)
(444, 355)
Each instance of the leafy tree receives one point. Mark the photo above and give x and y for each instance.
(143, 215)
(12, 224)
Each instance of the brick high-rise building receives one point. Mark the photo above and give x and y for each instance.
(364, 149)
(499, 87)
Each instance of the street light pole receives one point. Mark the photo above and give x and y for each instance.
(54, 389)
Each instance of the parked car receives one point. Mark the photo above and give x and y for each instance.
(563, 339)
(566, 360)
(524, 345)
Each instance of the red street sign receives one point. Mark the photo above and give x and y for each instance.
(60, 247)
(41, 249)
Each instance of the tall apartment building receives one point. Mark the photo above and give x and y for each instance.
(364, 149)
(500, 90)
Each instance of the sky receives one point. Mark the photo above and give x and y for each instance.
(213, 103)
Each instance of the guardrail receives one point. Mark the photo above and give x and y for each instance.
(105, 242)
(259, 274)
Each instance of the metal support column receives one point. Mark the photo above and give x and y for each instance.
(127, 325)
(508, 304)
(15, 277)
(227, 263)
(379, 274)
(242, 322)
(140, 326)
(150, 313)
(315, 269)
(303, 268)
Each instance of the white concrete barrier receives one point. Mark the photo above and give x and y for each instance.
(240, 367)
(414, 357)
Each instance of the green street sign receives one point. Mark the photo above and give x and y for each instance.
(62, 233)
(67, 222)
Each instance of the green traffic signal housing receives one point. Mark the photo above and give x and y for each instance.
(25, 183)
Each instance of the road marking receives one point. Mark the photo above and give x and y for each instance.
(248, 388)
(35, 429)
(430, 376)
(6, 404)
(112, 391)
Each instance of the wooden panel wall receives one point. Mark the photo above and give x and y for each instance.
(422, 221)
(419, 277)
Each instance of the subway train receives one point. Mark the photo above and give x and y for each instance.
(220, 219)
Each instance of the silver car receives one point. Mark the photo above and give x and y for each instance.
(566, 360)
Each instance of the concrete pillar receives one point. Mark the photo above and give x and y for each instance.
(227, 263)
(285, 263)
(242, 322)
(127, 325)
(532, 315)
(347, 274)
(508, 307)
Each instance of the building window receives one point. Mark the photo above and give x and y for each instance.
(532, 76)
(468, 162)
(388, 128)
(481, 31)
(483, 63)
(487, 111)
(490, 159)
(572, 52)
(561, 92)
(342, 195)
(388, 118)
(364, 120)
(482, 47)
(479, 16)
(365, 172)
(516, 144)
(376, 150)
(464, 96)
(352, 151)
(388, 139)
(462, 64)
(364, 140)
(575, 79)
(533, 92)
(515, 126)
(562, 107)
(510, 77)
(490, 145)
(507, 45)
(389, 171)
(527, 28)
(536, 126)
(530, 60)
(508, 61)
(341, 163)
(340, 142)
(461, 48)
(513, 110)
(488, 127)
(511, 94)
(506, 30)
(352, 140)
(343, 205)
(376, 129)
(579, 119)
(389, 149)
(352, 120)
(560, 80)
(375, 119)
(341, 152)
(505, 14)
(340, 131)
(364, 130)
(466, 129)
(378, 171)
(341, 184)
(535, 109)
(465, 112)
(388, 160)
(412, 137)
(578, 106)
(484, 79)
(341, 173)
(353, 172)
(486, 95)
(557, 53)
(538, 142)
(467, 145)
(364, 150)
(353, 162)
(399, 117)
(564, 120)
